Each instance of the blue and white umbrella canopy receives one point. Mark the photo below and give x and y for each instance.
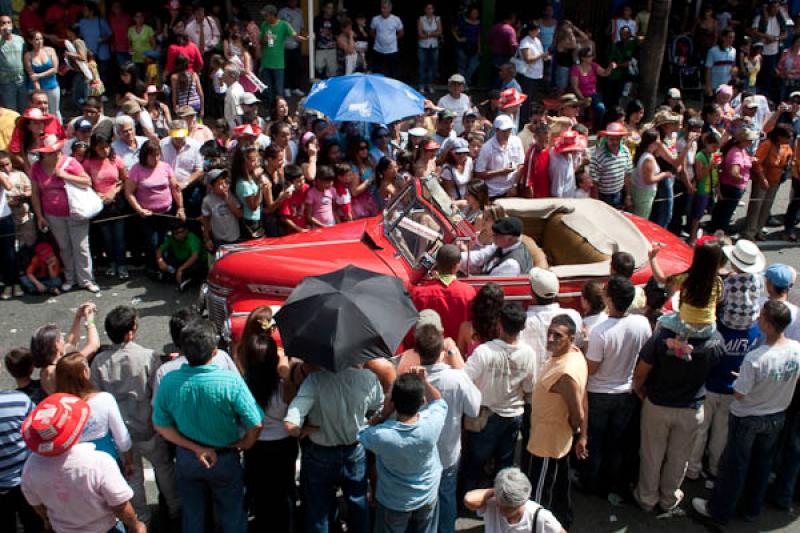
(365, 98)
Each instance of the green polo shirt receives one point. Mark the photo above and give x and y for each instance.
(206, 404)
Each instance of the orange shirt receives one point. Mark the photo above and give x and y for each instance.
(772, 160)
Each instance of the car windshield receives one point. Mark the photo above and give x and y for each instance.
(413, 228)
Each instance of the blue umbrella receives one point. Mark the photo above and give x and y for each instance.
(365, 98)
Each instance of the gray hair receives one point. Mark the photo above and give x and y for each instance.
(232, 71)
(269, 9)
(511, 487)
(121, 121)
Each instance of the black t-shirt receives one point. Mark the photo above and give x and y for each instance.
(675, 382)
(34, 391)
(326, 30)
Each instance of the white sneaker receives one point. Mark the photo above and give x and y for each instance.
(92, 287)
(66, 287)
(700, 505)
(298, 92)
(287, 93)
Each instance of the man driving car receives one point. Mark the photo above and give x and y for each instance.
(506, 257)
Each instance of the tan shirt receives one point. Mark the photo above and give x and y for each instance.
(551, 433)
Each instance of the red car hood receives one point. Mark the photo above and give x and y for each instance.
(265, 265)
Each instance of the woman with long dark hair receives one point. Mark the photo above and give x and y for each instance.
(482, 328)
(186, 87)
(247, 175)
(267, 373)
(646, 174)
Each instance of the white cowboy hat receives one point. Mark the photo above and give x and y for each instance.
(746, 256)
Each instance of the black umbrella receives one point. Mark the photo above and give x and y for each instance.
(345, 317)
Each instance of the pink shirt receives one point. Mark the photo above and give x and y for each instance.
(736, 156)
(78, 488)
(587, 83)
(51, 188)
(153, 186)
(321, 203)
(105, 173)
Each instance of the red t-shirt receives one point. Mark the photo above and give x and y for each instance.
(293, 207)
(538, 172)
(189, 50)
(452, 302)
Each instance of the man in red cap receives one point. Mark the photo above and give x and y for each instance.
(73, 487)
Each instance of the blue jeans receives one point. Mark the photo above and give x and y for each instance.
(113, 233)
(497, 440)
(422, 520)
(223, 483)
(750, 448)
(789, 468)
(323, 469)
(8, 253)
(561, 76)
(599, 108)
(467, 65)
(614, 199)
(273, 77)
(428, 64)
(14, 96)
(662, 204)
(609, 417)
(448, 504)
(725, 207)
(49, 283)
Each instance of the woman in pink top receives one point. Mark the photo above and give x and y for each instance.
(48, 177)
(151, 189)
(733, 178)
(789, 67)
(108, 176)
(583, 80)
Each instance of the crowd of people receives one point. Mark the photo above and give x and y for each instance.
(188, 133)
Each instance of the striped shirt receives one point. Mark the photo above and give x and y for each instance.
(14, 407)
(608, 170)
(206, 404)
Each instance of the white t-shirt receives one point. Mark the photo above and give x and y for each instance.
(535, 70)
(767, 379)
(386, 29)
(590, 321)
(494, 157)
(105, 418)
(792, 331)
(773, 29)
(459, 106)
(274, 413)
(504, 374)
(459, 179)
(495, 522)
(615, 344)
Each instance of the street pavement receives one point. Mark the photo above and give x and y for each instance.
(156, 302)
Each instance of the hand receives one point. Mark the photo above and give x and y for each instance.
(162, 265)
(87, 310)
(42, 223)
(138, 527)
(612, 65)
(580, 448)
(39, 286)
(145, 213)
(209, 245)
(307, 430)
(654, 251)
(693, 136)
(206, 456)
(181, 214)
(420, 372)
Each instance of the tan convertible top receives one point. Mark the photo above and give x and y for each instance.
(602, 227)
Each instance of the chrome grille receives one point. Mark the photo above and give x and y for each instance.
(217, 309)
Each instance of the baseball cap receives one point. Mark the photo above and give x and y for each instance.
(750, 102)
(544, 283)
(472, 113)
(674, 93)
(781, 276)
(460, 146)
(418, 132)
(456, 78)
(446, 114)
(83, 124)
(795, 94)
(55, 425)
(430, 317)
(508, 226)
(216, 174)
(248, 99)
(503, 122)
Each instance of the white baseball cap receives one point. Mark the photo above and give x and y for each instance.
(674, 93)
(544, 283)
(503, 122)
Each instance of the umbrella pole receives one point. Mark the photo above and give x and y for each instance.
(311, 44)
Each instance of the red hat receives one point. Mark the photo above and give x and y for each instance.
(43, 251)
(50, 144)
(510, 98)
(570, 141)
(246, 130)
(54, 426)
(614, 129)
(431, 145)
(36, 114)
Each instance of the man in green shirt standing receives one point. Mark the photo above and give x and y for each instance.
(274, 33)
(13, 94)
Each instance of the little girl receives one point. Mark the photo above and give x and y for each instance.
(706, 176)
(341, 187)
(700, 291)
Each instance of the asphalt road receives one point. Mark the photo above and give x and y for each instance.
(156, 302)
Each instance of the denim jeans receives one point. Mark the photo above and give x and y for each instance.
(113, 233)
(609, 416)
(422, 520)
(790, 220)
(789, 467)
(561, 77)
(8, 254)
(599, 109)
(751, 446)
(467, 65)
(662, 204)
(323, 470)
(448, 504)
(614, 199)
(428, 64)
(223, 483)
(725, 207)
(497, 440)
(273, 77)
(14, 96)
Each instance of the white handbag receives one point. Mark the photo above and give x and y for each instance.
(84, 203)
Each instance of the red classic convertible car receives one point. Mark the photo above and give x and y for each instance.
(577, 237)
